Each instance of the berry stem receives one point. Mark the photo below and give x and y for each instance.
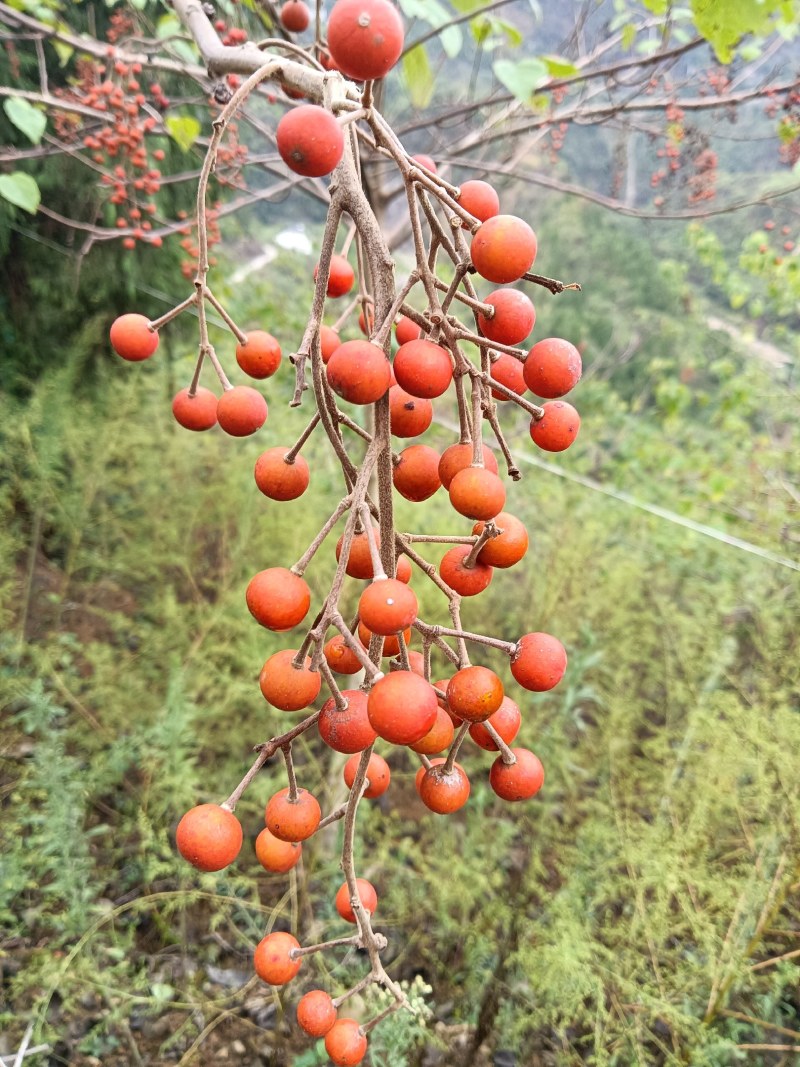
(292, 454)
(287, 755)
(327, 526)
(173, 313)
(456, 745)
(240, 335)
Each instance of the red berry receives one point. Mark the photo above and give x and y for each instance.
(477, 493)
(341, 277)
(378, 774)
(293, 820)
(260, 355)
(468, 581)
(288, 687)
(513, 319)
(520, 780)
(416, 476)
(209, 837)
(557, 428)
(359, 371)
(456, 457)
(402, 707)
(553, 366)
(503, 249)
(198, 412)
(295, 17)
(278, 479)
(406, 330)
(443, 792)
(345, 1044)
(479, 199)
(538, 662)
(409, 415)
(278, 598)
(315, 1011)
(272, 961)
(423, 368)
(506, 721)
(474, 693)
(241, 411)
(276, 855)
(310, 140)
(508, 547)
(348, 730)
(365, 37)
(132, 338)
(366, 894)
(387, 606)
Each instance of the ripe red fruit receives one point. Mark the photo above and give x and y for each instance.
(442, 792)
(416, 476)
(340, 657)
(477, 493)
(538, 662)
(474, 693)
(310, 140)
(132, 338)
(402, 707)
(276, 855)
(278, 479)
(241, 411)
(260, 356)
(503, 249)
(341, 277)
(513, 319)
(403, 569)
(292, 820)
(456, 457)
(316, 1013)
(468, 581)
(520, 780)
(553, 366)
(345, 1044)
(507, 370)
(198, 412)
(479, 199)
(508, 547)
(423, 368)
(387, 606)
(557, 428)
(365, 37)
(278, 598)
(409, 415)
(295, 17)
(439, 737)
(272, 961)
(287, 687)
(359, 371)
(348, 730)
(209, 837)
(366, 893)
(406, 330)
(506, 721)
(329, 341)
(378, 774)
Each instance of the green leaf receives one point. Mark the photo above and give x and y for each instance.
(21, 190)
(27, 118)
(628, 36)
(558, 67)
(452, 40)
(418, 77)
(724, 23)
(184, 130)
(521, 78)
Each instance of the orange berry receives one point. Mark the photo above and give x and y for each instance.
(359, 371)
(507, 370)
(552, 367)
(506, 721)
(468, 581)
(503, 249)
(288, 687)
(520, 780)
(557, 428)
(387, 606)
(198, 412)
(329, 341)
(310, 140)
(513, 319)
(402, 707)
(474, 693)
(423, 368)
(292, 820)
(443, 792)
(366, 894)
(341, 277)
(409, 415)
(276, 855)
(538, 662)
(241, 411)
(378, 774)
(416, 476)
(406, 330)
(479, 199)
(477, 493)
(348, 730)
(278, 479)
(365, 37)
(341, 657)
(507, 548)
(315, 1011)
(438, 738)
(278, 598)
(456, 457)
(295, 17)
(345, 1044)
(260, 355)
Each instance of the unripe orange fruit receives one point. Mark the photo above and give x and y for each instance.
(132, 338)
(438, 738)
(365, 37)
(272, 961)
(209, 837)
(341, 657)
(503, 249)
(198, 412)
(557, 428)
(241, 411)
(276, 855)
(316, 1013)
(366, 894)
(345, 1044)
(310, 140)
(507, 548)
(260, 355)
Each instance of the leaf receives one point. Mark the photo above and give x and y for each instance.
(21, 190)
(628, 36)
(184, 130)
(558, 67)
(521, 78)
(418, 77)
(724, 24)
(27, 118)
(452, 40)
